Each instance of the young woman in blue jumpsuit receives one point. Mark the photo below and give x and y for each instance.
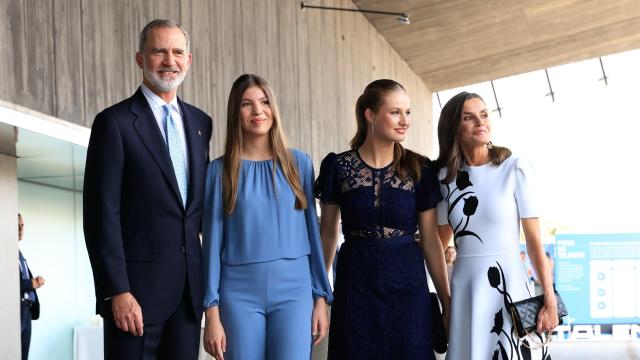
(266, 287)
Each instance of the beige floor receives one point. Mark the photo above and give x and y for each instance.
(568, 350)
(560, 350)
(596, 350)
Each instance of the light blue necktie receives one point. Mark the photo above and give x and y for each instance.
(176, 152)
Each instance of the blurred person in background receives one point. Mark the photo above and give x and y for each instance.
(29, 303)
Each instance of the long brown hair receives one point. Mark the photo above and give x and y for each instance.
(233, 145)
(406, 162)
(448, 137)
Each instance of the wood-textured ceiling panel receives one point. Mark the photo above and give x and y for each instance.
(456, 42)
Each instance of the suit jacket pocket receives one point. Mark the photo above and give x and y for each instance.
(140, 253)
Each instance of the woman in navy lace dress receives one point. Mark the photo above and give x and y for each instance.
(383, 193)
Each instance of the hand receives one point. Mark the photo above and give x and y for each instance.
(548, 316)
(319, 320)
(127, 313)
(37, 282)
(214, 338)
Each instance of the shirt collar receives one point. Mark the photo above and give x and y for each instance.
(156, 102)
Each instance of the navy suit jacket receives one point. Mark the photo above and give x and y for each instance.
(25, 286)
(139, 236)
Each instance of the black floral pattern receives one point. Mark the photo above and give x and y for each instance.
(518, 347)
(469, 207)
(494, 276)
(462, 180)
(463, 200)
(498, 322)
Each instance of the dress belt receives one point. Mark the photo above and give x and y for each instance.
(371, 241)
(494, 253)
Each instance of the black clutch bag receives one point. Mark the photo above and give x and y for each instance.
(438, 335)
(524, 313)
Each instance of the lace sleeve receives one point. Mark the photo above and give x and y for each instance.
(326, 186)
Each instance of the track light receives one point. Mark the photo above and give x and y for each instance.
(404, 19)
(401, 17)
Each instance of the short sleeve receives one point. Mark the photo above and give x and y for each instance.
(525, 193)
(327, 188)
(428, 189)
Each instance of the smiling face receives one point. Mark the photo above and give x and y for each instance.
(393, 118)
(475, 126)
(165, 60)
(255, 113)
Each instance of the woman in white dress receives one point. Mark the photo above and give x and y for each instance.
(487, 194)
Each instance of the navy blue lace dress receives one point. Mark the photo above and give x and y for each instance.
(381, 307)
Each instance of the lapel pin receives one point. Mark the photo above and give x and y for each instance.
(199, 132)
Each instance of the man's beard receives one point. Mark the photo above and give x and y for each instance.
(164, 85)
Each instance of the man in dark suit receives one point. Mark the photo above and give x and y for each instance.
(29, 303)
(143, 195)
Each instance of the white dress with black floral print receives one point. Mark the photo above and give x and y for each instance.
(484, 205)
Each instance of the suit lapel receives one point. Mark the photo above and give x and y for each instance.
(148, 130)
(193, 134)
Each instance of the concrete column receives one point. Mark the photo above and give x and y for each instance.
(9, 273)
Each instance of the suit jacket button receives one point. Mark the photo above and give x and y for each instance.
(183, 250)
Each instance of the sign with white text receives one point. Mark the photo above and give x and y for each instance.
(598, 276)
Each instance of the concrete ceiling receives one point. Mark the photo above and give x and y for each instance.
(452, 43)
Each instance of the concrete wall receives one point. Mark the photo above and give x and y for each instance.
(72, 58)
(9, 273)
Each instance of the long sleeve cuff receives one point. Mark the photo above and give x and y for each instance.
(317, 293)
(212, 303)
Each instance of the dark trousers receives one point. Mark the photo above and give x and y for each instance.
(25, 322)
(176, 338)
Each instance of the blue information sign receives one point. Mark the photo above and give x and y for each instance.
(598, 276)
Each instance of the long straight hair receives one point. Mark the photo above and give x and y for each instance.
(406, 162)
(233, 145)
(451, 154)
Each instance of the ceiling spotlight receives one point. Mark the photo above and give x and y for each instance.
(401, 17)
(404, 19)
